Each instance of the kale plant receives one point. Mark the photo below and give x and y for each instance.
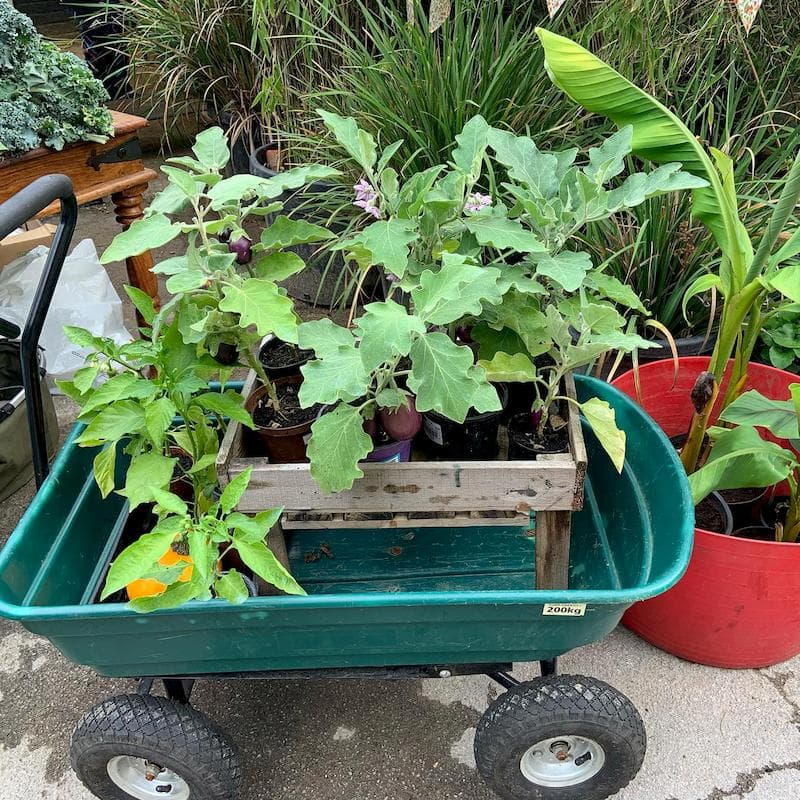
(47, 97)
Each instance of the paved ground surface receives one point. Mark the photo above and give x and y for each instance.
(712, 734)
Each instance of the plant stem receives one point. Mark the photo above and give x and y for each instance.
(729, 342)
(258, 368)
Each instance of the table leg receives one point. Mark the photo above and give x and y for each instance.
(128, 208)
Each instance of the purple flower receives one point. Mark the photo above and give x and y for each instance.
(364, 190)
(366, 197)
(477, 202)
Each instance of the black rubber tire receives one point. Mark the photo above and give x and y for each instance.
(170, 734)
(559, 705)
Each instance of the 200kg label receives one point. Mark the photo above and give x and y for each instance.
(564, 609)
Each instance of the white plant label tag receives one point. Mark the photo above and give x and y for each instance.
(564, 609)
(433, 430)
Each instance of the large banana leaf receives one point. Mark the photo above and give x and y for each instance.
(658, 135)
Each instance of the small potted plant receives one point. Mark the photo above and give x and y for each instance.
(224, 288)
(148, 404)
(460, 260)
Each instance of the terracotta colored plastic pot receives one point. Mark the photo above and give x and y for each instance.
(736, 606)
(282, 445)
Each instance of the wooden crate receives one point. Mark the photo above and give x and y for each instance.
(428, 493)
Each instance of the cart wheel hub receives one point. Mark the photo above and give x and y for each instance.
(146, 781)
(562, 761)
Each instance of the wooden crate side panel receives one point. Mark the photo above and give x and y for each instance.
(414, 486)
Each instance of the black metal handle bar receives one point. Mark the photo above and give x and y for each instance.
(14, 213)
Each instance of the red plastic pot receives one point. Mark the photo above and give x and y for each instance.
(737, 605)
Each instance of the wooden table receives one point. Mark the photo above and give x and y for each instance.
(112, 169)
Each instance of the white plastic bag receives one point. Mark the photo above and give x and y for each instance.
(84, 296)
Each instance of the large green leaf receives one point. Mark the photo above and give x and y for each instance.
(122, 386)
(752, 408)
(602, 420)
(158, 416)
(456, 290)
(232, 493)
(509, 367)
(526, 163)
(504, 233)
(387, 330)
(472, 141)
(241, 187)
(614, 289)
(170, 200)
(260, 303)
(262, 561)
(359, 144)
(339, 375)
(227, 404)
(231, 587)
(104, 466)
(253, 529)
(278, 266)
(787, 281)
(139, 557)
(286, 232)
(740, 459)
(444, 378)
(323, 336)
(567, 268)
(147, 471)
(211, 149)
(122, 419)
(658, 135)
(388, 243)
(149, 233)
(338, 442)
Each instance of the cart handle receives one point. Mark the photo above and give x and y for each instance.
(14, 213)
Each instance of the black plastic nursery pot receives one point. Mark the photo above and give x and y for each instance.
(475, 439)
(281, 358)
(323, 280)
(524, 446)
(745, 505)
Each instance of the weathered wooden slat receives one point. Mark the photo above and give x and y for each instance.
(340, 522)
(414, 486)
(552, 549)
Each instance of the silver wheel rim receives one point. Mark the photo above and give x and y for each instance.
(146, 781)
(562, 761)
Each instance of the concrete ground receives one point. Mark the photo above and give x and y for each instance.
(713, 734)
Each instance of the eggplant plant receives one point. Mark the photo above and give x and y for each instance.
(224, 287)
(741, 458)
(455, 258)
(748, 271)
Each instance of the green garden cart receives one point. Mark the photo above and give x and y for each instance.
(432, 602)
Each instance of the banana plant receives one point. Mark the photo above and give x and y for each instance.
(747, 274)
(741, 458)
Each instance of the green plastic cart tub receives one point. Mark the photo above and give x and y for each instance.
(386, 598)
